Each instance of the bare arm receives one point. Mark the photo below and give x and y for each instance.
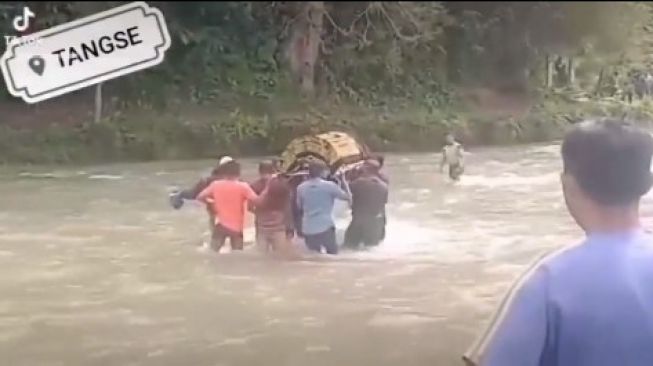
(342, 192)
(255, 186)
(252, 197)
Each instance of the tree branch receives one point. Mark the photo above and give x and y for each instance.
(336, 27)
(394, 27)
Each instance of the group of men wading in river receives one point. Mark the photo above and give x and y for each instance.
(283, 209)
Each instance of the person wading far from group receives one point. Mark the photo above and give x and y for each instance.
(273, 217)
(589, 304)
(452, 155)
(228, 197)
(369, 196)
(315, 200)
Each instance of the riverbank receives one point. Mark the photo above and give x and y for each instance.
(206, 132)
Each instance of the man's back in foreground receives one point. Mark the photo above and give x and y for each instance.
(592, 304)
(601, 297)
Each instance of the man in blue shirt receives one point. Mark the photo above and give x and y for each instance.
(315, 199)
(590, 304)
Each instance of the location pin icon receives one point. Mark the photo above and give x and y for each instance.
(37, 64)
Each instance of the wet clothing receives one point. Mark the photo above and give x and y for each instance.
(325, 239)
(369, 230)
(585, 305)
(177, 200)
(453, 153)
(369, 197)
(276, 241)
(192, 193)
(229, 198)
(269, 218)
(455, 171)
(383, 177)
(220, 235)
(315, 199)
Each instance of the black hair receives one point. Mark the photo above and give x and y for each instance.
(231, 169)
(610, 159)
(218, 171)
(380, 158)
(267, 167)
(315, 168)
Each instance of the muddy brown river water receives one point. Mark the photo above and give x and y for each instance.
(97, 269)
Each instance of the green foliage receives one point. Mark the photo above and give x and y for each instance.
(386, 71)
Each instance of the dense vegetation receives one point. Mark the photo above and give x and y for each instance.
(248, 76)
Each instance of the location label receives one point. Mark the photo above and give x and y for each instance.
(85, 52)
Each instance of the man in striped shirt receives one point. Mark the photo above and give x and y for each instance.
(590, 304)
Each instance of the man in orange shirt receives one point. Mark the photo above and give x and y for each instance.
(228, 197)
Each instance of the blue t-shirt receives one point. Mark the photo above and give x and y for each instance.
(315, 198)
(588, 305)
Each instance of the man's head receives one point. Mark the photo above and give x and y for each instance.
(231, 170)
(316, 168)
(217, 171)
(606, 170)
(266, 168)
(450, 139)
(380, 159)
(225, 159)
(370, 167)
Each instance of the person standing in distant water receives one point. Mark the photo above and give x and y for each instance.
(315, 200)
(274, 215)
(452, 155)
(228, 197)
(589, 304)
(369, 197)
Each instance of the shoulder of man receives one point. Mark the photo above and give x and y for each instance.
(542, 265)
(303, 184)
(212, 182)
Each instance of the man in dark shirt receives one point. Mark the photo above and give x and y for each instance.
(177, 199)
(369, 197)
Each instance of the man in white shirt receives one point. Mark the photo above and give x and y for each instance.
(452, 155)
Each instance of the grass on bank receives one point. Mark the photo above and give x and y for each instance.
(148, 135)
